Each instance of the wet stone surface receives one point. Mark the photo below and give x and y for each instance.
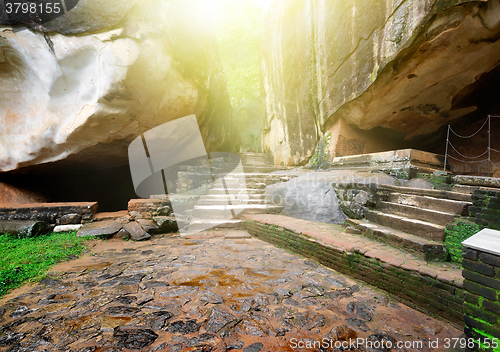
(216, 294)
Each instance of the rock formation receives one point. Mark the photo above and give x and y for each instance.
(77, 90)
(402, 69)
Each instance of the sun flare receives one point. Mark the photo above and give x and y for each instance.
(213, 14)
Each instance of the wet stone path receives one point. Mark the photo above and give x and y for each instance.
(213, 294)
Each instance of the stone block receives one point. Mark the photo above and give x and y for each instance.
(472, 298)
(493, 307)
(480, 268)
(70, 219)
(486, 240)
(102, 228)
(67, 228)
(469, 254)
(491, 259)
(136, 231)
(484, 315)
(481, 290)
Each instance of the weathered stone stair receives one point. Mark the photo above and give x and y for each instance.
(413, 219)
(239, 194)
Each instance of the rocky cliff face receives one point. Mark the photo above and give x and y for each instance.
(405, 68)
(76, 90)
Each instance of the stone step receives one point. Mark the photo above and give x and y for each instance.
(253, 176)
(436, 193)
(252, 197)
(260, 196)
(205, 224)
(226, 211)
(256, 185)
(235, 191)
(394, 270)
(225, 201)
(411, 212)
(471, 189)
(421, 247)
(230, 167)
(415, 227)
(480, 181)
(254, 159)
(431, 203)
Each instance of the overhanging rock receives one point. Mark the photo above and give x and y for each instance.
(402, 69)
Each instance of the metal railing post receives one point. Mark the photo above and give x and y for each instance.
(489, 145)
(446, 153)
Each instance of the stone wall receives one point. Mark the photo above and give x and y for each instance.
(353, 146)
(486, 209)
(146, 208)
(71, 213)
(481, 262)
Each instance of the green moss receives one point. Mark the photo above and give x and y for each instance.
(442, 182)
(28, 259)
(488, 337)
(315, 158)
(456, 233)
(398, 173)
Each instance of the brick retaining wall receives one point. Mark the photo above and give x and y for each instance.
(437, 295)
(486, 209)
(482, 296)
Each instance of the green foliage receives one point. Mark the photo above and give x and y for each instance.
(29, 258)
(239, 39)
(456, 233)
(315, 158)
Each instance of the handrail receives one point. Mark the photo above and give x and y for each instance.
(488, 151)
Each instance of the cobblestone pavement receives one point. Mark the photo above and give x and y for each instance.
(207, 294)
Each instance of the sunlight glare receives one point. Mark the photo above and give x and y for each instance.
(208, 12)
(265, 4)
(211, 14)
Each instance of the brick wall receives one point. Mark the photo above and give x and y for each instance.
(433, 294)
(482, 296)
(346, 147)
(486, 209)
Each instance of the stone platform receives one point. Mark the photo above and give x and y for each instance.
(404, 163)
(434, 287)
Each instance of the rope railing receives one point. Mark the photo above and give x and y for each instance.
(467, 157)
(471, 161)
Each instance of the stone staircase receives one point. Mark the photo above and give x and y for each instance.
(413, 219)
(227, 188)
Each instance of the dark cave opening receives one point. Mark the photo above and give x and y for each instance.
(112, 188)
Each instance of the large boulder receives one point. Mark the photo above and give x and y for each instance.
(403, 69)
(81, 87)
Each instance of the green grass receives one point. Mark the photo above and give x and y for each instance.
(27, 259)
